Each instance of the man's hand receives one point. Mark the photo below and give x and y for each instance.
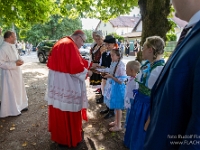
(19, 62)
(90, 73)
(95, 65)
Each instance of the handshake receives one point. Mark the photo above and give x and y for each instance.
(19, 62)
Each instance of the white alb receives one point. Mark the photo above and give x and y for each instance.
(12, 94)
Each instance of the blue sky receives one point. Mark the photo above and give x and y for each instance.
(90, 24)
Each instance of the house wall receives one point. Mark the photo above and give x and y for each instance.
(122, 30)
(139, 27)
(108, 28)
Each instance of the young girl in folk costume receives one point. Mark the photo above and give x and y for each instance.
(132, 68)
(115, 88)
(105, 61)
(138, 119)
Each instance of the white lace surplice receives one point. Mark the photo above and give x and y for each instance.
(67, 92)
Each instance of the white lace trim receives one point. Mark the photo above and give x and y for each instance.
(67, 92)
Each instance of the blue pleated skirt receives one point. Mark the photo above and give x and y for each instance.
(135, 135)
(128, 112)
(117, 94)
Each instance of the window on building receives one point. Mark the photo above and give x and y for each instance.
(104, 24)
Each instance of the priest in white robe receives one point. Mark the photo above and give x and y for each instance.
(13, 94)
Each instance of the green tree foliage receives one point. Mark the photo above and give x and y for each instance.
(101, 9)
(55, 28)
(25, 12)
(89, 36)
(117, 36)
(171, 37)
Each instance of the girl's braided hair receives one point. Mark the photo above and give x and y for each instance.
(118, 53)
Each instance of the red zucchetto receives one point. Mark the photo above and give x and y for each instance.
(78, 32)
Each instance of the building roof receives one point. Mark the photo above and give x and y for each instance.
(125, 21)
(180, 23)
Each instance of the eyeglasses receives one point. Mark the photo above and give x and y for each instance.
(82, 39)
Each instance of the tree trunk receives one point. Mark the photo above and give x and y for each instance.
(154, 15)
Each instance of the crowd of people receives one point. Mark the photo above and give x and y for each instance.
(124, 46)
(161, 100)
(24, 48)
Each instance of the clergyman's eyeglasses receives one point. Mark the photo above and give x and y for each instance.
(82, 38)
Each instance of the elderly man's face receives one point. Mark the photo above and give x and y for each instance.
(80, 41)
(13, 38)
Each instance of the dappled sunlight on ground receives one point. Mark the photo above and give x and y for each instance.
(30, 130)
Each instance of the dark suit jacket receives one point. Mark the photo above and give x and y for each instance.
(175, 99)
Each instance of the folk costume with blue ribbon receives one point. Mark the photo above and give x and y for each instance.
(114, 92)
(129, 96)
(140, 108)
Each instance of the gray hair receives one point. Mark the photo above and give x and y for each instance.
(98, 33)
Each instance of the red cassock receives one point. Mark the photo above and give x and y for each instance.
(66, 126)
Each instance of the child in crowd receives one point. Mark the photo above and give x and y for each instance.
(139, 119)
(115, 88)
(105, 61)
(132, 68)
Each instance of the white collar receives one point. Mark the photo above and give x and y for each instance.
(195, 18)
(107, 53)
(9, 43)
